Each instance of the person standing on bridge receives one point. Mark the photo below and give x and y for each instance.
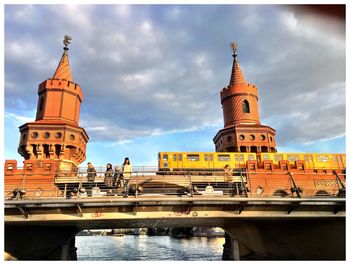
(109, 177)
(117, 177)
(91, 178)
(228, 178)
(126, 169)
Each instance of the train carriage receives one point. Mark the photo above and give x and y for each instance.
(313, 161)
(214, 161)
(206, 161)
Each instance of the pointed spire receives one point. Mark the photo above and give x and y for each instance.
(63, 68)
(237, 76)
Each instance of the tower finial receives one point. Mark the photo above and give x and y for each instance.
(234, 47)
(67, 39)
(63, 68)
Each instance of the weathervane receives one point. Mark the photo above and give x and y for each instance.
(67, 39)
(234, 47)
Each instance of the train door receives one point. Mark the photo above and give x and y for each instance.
(177, 161)
(209, 160)
(174, 162)
(309, 161)
(238, 160)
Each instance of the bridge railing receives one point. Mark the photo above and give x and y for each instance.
(147, 181)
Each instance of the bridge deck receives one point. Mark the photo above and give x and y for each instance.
(165, 211)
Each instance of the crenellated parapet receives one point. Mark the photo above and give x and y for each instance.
(61, 84)
(239, 89)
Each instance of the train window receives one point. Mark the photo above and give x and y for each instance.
(266, 157)
(180, 157)
(251, 157)
(211, 157)
(292, 157)
(192, 157)
(165, 157)
(224, 157)
(205, 157)
(175, 157)
(277, 157)
(322, 158)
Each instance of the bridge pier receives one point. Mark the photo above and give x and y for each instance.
(40, 242)
(293, 239)
(231, 248)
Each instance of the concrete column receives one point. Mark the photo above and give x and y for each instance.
(231, 248)
(286, 239)
(68, 250)
(41, 243)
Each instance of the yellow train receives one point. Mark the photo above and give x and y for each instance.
(175, 161)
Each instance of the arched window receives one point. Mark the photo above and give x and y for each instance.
(246, 108)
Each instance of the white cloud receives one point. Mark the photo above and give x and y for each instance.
(146, 27)
(133, 80)
(174, 13)
(289, 19)
(123, 10)
(97, 128)
(164, 96)
(76, 14)
(19, 119)
(325, 139)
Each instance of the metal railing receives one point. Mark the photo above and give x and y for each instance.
(148, 181)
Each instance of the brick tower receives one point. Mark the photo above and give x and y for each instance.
(55, 134)
(242, 130)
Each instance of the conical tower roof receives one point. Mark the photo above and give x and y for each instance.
(237, 76)
(63, 68)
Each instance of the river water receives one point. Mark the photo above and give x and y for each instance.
(142, 247)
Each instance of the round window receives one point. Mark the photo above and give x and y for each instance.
(58, 135)
(35, 135)
(262, 137)
(229, 139)
(241, 137)
(46, 135)
(252, 137)
(72, 137)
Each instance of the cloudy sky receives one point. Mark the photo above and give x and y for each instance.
(151, 74)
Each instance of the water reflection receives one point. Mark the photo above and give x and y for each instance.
(148, 248)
